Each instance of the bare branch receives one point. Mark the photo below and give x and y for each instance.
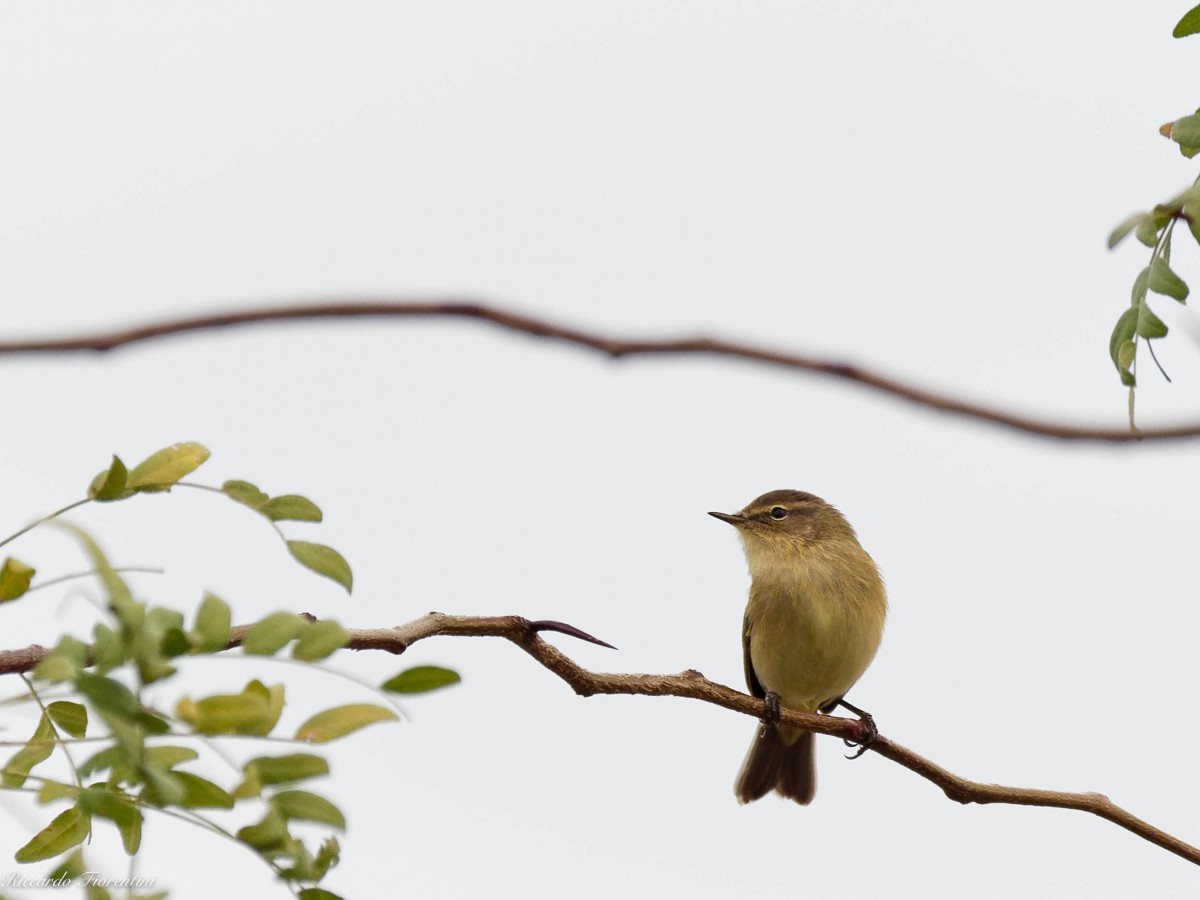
(616, 348)
(692, 684)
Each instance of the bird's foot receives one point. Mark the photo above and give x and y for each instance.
(866, 719)
(770, 716)
(872, 732)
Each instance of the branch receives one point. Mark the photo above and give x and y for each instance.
(691, 684)
(617, 348)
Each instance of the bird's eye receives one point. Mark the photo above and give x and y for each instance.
(778, 512)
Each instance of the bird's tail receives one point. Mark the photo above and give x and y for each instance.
(780, 759)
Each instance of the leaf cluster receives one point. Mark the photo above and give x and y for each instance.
(1155, 230)
(140, 755)
(1138, 324)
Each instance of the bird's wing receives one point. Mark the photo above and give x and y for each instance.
(752, 682)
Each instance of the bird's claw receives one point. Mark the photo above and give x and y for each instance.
(771, 707)
(771, 712)
(868, 720)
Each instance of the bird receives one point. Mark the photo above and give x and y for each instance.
(813, 623)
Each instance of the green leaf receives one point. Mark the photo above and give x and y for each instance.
(420, 679)
(174, 643)
(1189, 24)
(340, 721)
(317, 894)
(1163, 281)
(225, 713)
(54, 668)
(1147, 230)
(273, 697)
(65, 661)
(308, 807)
(1191, 215)
(159, 471)
(108, 695)
(1186, 131)
(108, 803)
(153, 668)
(119, 597)
(129, 737)
(167, 757)
(160, 638)
(70, 717)
(108, 758)
(14, 579)
(254, 711)
(109, 484)
(324, 561)
(162, 620)
(104, 801)
(327, 856)
(302, 868)
(107, 651)
(245, 492)
(50, 791)
(131, 834)
(1126, 354)
(1124, 331)
(250, 786)
(71, 867)
(163, 788)
(287, 507)
(200, 793)
(267, 834)
(1140, 286)
(291, 507)
(36, 750)
(152, 723)
(211, 632)
(319, 640)
(269, 635)
(1149, 325)
(68, 829)
(1118, 234)
(288, 768)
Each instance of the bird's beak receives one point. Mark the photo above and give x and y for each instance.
(736, 521)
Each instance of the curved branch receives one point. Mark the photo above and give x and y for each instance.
(103, 342)
(694, 685)
(691, 684)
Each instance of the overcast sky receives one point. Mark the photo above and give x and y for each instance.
(924, 188)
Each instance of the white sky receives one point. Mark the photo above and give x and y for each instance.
(921, 187)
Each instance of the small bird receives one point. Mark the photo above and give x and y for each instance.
(812, 626)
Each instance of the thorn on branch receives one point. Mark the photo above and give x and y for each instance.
(692, 684)
(563, 628)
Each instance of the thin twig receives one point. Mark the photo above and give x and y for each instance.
(617, 348)
(691, 684)
(1154, 356)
